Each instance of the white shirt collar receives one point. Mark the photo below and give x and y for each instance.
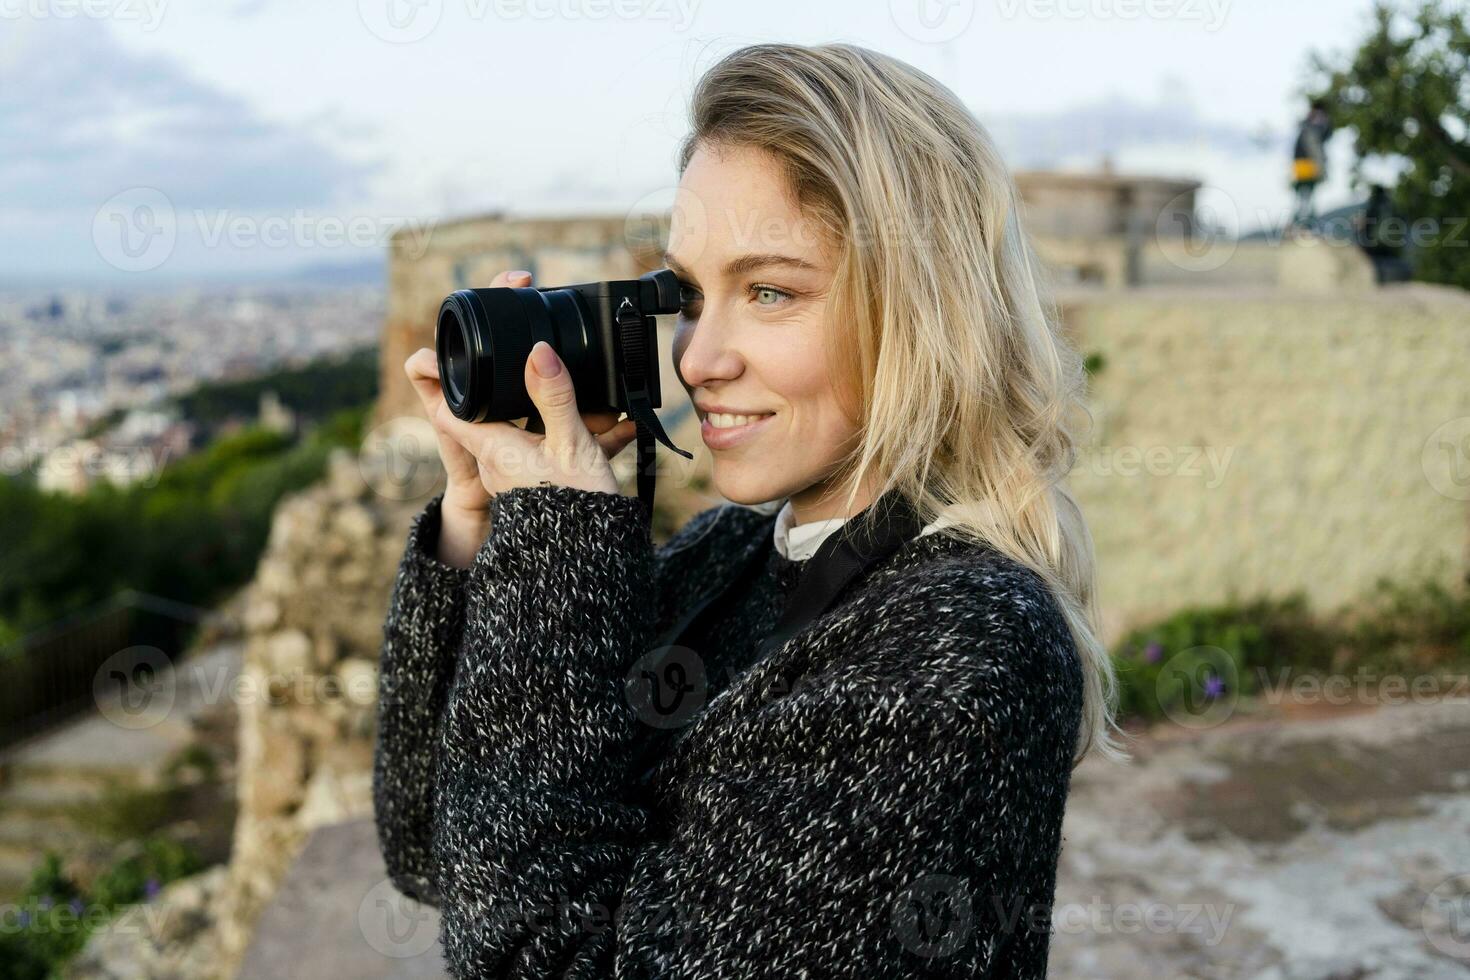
(798, 542)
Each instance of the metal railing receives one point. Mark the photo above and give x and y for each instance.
(51, 674)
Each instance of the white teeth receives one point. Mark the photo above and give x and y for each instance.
(722, 421)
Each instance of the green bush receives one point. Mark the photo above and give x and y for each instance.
(56, 914)
(134, 877)
(51, 922)
(1155, 665)
(1239, 649)
(194, 758)
(125, 813)
(1418, 626)
(18, 961)
(48, 926)
(313, 390)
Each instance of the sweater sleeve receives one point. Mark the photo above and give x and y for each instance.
(421, 636)
(894, 811)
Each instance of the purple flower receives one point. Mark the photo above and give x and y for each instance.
(150, 888)
(1153, 652)
(1214, 686)
(76, 906)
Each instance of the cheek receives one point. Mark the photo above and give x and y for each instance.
(802, 379)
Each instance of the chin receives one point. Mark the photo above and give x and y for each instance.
(743, 485)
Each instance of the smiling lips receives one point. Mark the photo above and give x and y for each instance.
(721, 430)
(727, 420)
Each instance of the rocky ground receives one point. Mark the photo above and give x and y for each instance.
(1324, 849)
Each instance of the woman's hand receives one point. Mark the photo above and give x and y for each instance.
(486, 458)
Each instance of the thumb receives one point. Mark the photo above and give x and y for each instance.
(549, 384)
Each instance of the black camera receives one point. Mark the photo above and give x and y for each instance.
(604, 332)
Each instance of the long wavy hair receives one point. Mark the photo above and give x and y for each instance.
(964, 385)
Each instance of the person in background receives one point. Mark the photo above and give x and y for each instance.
(1309, 164)
(1381, 233)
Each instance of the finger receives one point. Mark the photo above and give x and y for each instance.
(422, 368)
(512, 277)
(599, 422)
(616, 439)
(483, 440)
(422, 363)
(554, 396)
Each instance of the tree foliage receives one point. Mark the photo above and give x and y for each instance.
(1405, 93)
(190, 536)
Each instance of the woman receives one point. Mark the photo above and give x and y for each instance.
(881, 794)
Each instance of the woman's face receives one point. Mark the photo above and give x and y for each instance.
(755, 278)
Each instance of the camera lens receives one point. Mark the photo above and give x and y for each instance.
(484, 336)
(463, 341)
(454, 362)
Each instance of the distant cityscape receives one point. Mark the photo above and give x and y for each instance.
(90, 374)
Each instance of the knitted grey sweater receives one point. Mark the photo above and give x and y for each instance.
(881, 796)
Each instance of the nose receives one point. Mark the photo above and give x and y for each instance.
(705, 353)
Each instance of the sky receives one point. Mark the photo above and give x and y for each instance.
(164, 140)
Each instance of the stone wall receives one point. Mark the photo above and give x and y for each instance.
(1075, 206)
(1259, 442)
(307, 714)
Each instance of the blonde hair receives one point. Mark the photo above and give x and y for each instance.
(966, 389)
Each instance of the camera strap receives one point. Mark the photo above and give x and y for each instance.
(856, 546)
(633, 330)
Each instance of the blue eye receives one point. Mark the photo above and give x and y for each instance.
(769, 291)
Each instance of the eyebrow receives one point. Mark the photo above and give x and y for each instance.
(742, 264)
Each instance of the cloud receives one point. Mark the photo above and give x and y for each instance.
(1083, 134)
(83, 118)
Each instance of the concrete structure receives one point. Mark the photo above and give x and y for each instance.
(1105, 205)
